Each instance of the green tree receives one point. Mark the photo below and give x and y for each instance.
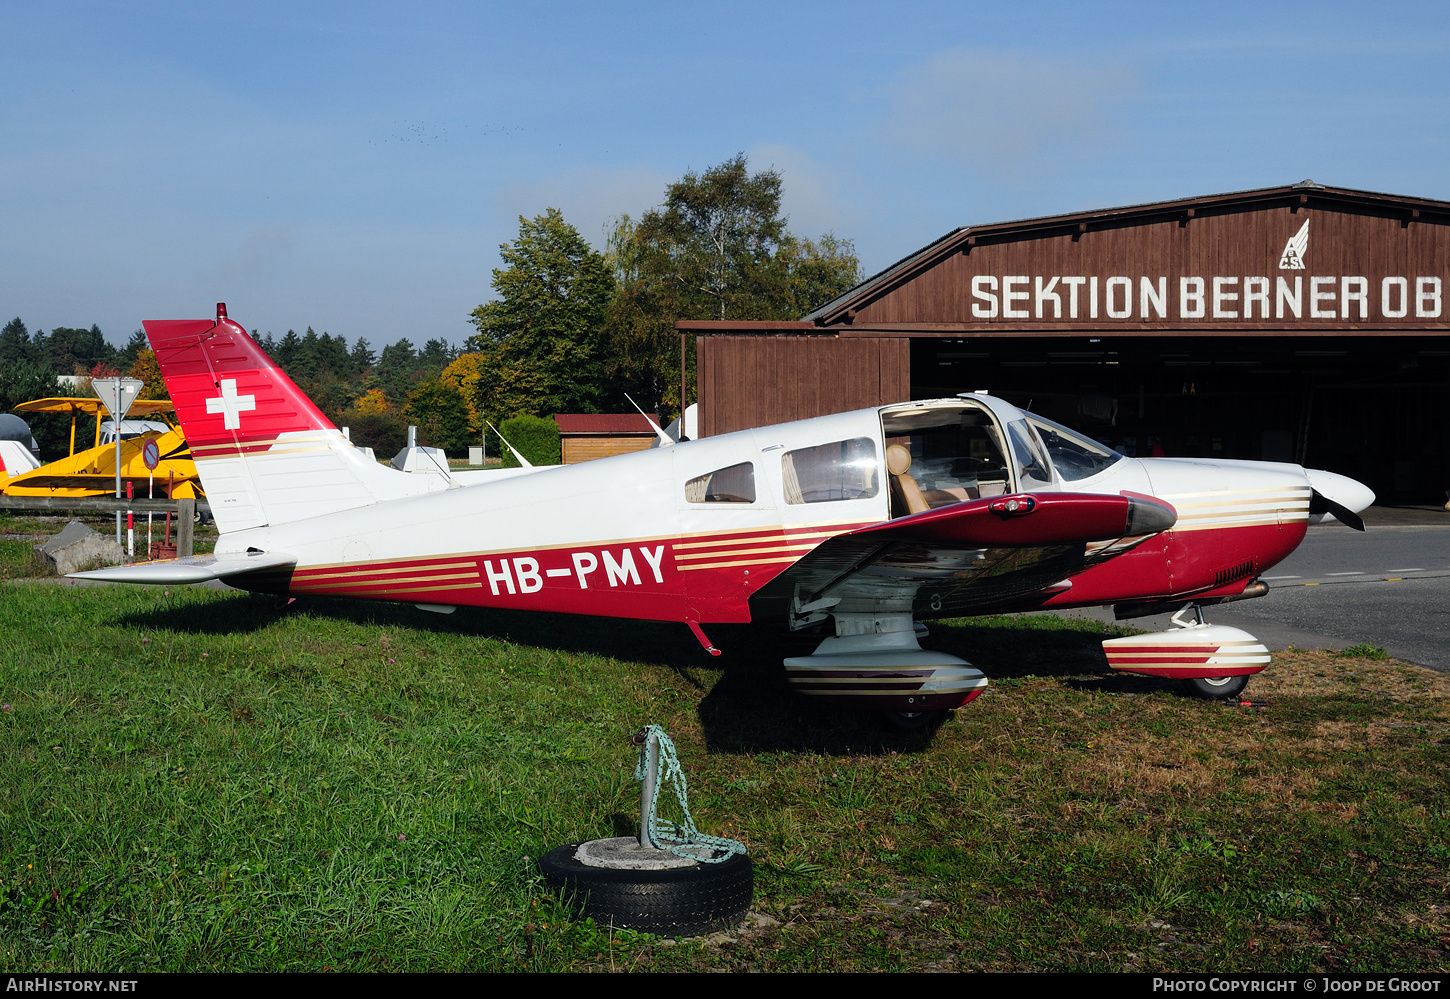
(134, 346)
(15, 345)
(717, 249)
(717, 233)
(435, 356)
(385, 432)
(22, 381)
(74, 350)
(542, 336)
(304, 360)
(362, 357)
(440, 413)
(395, 369)
(537, 439)
(287, 351)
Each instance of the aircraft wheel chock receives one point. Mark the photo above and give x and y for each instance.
(1216, 688)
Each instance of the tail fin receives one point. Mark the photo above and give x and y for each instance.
(266, 455)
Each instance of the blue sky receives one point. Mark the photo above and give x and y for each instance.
(354, 167)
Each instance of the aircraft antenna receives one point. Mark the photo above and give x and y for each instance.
(665, 439)
(526, 463)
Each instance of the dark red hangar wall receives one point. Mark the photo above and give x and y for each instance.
(1302, 323)
(754, 381)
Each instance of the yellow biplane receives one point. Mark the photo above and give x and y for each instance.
(93, 472)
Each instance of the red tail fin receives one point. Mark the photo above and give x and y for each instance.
(230, 396)
(265, 454)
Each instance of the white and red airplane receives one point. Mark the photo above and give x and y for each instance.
(872, 520)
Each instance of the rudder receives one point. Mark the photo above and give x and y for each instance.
(266, 455)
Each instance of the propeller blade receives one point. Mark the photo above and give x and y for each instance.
(1319, 503)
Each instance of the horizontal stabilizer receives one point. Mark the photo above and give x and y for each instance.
(192, 569)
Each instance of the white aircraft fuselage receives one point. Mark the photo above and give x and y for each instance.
(874, 518)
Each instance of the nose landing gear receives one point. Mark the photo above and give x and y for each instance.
(1212, 661)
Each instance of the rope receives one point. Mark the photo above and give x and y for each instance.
(678, 838)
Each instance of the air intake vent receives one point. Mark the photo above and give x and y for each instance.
(1225, 576)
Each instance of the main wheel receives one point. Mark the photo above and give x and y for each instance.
(1216, 688)
(676, 902)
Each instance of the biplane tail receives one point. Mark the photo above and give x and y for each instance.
(266, 455)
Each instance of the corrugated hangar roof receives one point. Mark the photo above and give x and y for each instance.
(1307, 192)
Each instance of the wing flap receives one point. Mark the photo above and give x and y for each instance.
(192, 569)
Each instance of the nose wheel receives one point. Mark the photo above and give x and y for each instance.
(1210, 661)
(1212, 688)
(1216, 688)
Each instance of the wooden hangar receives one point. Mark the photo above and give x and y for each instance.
(1302, 323)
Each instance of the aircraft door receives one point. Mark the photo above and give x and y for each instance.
(938, 454)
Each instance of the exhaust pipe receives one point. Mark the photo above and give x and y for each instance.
(1125, 612)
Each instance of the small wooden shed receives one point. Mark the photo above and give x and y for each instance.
(585, 436)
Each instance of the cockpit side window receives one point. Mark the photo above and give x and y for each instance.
(940, 455)
(1074, 456)
(733, 484)
(841, 470)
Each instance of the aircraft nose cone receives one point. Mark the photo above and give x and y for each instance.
(1341, 489)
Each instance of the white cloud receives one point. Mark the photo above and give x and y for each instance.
(1001, 109)
(588, 196)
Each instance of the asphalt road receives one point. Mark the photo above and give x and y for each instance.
(1389, 587)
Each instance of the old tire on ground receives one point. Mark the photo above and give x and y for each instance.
(680, 902)
(1216, 688)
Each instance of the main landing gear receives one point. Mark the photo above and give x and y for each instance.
(874, 661)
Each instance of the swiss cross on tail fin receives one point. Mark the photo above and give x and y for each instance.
(230, 404)
(229, 394)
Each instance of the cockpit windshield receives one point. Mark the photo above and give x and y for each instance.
(1030, 460)
(1074, 456)
(940, 455)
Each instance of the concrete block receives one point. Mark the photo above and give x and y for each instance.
(78, 548)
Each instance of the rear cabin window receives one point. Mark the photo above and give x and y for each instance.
(841, 470)
(733, 484)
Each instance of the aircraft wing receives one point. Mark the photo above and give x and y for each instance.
(970, 557)
(192, 569)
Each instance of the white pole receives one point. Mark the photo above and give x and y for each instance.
(116, 428)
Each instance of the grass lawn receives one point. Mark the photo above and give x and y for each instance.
(194, 780)
(20, 533)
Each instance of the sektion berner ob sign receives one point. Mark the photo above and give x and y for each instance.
(1291, 294)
